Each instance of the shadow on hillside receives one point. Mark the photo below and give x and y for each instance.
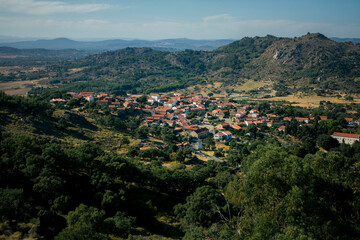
(145, 204)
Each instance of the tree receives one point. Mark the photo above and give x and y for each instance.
(120, 225)
(84, 223)
(252, 129)
(142, 99)
(48, 185)
(281, 195)
(327, 142)
(74, 102)
(182, 154)
(124, 140)
(133, 151)
(209, 142)
(194, 233)
(142, 132)
(13, 205)
(200, 207)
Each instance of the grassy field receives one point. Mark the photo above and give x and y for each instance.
(19, 88)
(251, 84)
(310, 101)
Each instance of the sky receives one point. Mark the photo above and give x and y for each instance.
(163, 19)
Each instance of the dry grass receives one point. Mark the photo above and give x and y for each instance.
(202, 158)
(204, 89)
(311, 101)
(170, 164)
(20, 87)
(74, 70)
(221, 145)
(208, 153)
(251, 84)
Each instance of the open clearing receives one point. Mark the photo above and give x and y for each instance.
(310, 101)
(19, 87)
(251, 84)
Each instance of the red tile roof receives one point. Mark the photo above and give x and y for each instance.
(348, 135)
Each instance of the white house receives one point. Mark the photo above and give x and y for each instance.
(155, 96)
(347, 138)
(226, 135)
(90, 98)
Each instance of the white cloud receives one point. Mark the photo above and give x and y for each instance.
(48, 7)
(218, 17)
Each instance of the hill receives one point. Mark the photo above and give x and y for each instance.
(311, 61)
(40, 54)
(354, 40)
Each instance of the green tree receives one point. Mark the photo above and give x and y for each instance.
(84, 223)
(13, 205)
(124, 141)
(281, 196)
(194, 233)
(142, 99)
(200, 207)
(327, 142)
(209, 142)
(120, 225)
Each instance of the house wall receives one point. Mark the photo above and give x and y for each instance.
(345, 139)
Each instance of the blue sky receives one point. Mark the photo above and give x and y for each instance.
(159, 19)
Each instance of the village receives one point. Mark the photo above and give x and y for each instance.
(202, 117)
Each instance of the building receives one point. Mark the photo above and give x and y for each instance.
(58, 100)
(197, 145)
(200, 133)
(227, 136)
(90, 98)
(347, 138)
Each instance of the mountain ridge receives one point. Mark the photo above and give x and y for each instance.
(112, 44)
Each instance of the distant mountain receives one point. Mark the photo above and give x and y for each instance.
(9, 54)
(354, 40)
(10, 39)
(166, 44)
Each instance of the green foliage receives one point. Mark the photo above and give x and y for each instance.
(182, 154)
(82, 224)
(166, 88)
(124, 140)
(14, 205)
(200, 207)
(327, 142)
(26, 105)
(194, 233)
(120, 224)
(281, 195)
